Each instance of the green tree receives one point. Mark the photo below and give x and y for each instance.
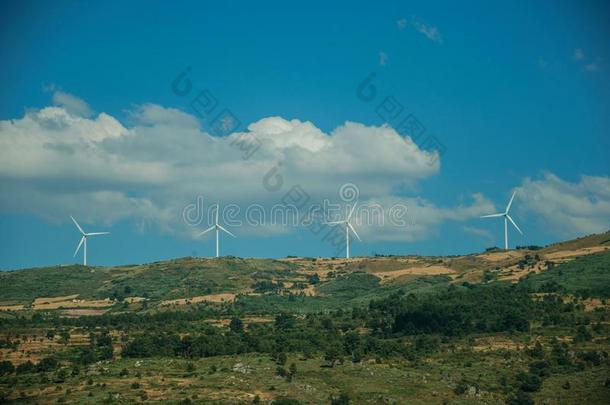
(47, 364)
(281, 359)
(6, 367)
(236, 325)
(333, 354)
(342, 399)
(293, 369)
(26, 367)
(64, 337)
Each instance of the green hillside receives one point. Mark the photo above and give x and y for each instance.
(520, 327)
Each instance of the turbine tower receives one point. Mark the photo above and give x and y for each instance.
(506, 219)
(348, 227)
(83, 239)
(218, 228)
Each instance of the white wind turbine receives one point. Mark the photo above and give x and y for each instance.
(218, 228)
(506, 219)
(83, 239)
(348, 227)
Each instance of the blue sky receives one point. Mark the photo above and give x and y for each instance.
(517, 94)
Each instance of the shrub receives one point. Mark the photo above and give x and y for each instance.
(342, 399)
(47, 364)
(6, 367)
(26, 367)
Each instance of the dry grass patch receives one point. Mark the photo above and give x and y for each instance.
(501, 256)
(569, 254)
(11, 307)
(414, 271)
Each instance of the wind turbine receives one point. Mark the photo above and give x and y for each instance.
(83, 239)
(506, 219)
(348, 227)
(218, 228)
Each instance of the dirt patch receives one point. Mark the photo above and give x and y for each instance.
(568, 254)
(495, 343)
(50, 300)
(310, 290)
(501, 256)
(514, 273)
(69, 301)
(214, 298)
(11, 307)
(414, 271)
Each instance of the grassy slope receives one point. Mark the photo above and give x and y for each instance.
(588, 275)
(353, 284)
(163, 280)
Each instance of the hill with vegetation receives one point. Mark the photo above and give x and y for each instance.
(522, 326)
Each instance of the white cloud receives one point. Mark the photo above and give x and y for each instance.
(401, 24)
(569, 209)
(55, 162)
(431, 32)
(72, 104)
(423, 217)
(578, 54)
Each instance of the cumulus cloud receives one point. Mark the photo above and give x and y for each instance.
(568, 208)
(56, 161)
(422, 217)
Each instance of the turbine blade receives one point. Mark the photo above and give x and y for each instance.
(79, 245)
(513, 222)
(217, 209)
(492, 215)
(511, 201)
(353, 230)
(207, 230)
(335, 222)
(97, 233)
(220, 226)
(77, 225)
(351, 212)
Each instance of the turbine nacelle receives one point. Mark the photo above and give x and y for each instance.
(348, 227)
(218, 228)
(83, 239)
(507, 218)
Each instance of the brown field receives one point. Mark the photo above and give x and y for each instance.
(51, 300)
(568, 254)
(501, 256)
(36, 346)
(11, 307)
(494, 343)
(414, 271)
(69, 301)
